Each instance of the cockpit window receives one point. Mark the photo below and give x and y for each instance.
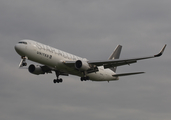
(22, 42)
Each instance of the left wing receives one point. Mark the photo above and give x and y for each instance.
(48, 69)
(120, 62)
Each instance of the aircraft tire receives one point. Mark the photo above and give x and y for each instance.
(24, 64)
(54, 81)
(60, 80)
(57, 80)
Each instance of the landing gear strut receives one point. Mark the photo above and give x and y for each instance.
(23, 61)
(57, 80)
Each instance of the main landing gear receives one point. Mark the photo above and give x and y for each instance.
(84, 78)
(23, 61)
(57, 80)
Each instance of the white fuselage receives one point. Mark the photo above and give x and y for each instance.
(55, 59)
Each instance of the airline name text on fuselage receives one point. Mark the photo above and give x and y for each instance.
(56, 51)
(44, 54)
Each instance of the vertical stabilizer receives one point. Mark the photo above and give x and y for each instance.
(115, 55)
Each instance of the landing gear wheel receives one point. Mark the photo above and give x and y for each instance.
(24, 64)
(57, 80)
(60, 80)
(81, 79)
(54, 81)
(84, 78)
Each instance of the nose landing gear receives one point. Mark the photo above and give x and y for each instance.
(23, 61)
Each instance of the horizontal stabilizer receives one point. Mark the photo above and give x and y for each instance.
(126, 74)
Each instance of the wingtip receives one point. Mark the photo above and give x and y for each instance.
(161, 52)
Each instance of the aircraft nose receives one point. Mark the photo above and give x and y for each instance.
(19, 49)
(16, 47)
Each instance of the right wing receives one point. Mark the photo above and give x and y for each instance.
(120, 62)
(126, 74)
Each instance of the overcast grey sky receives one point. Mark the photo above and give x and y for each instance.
(90, 29)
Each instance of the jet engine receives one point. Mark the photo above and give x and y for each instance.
(82, 65)
(37, 70)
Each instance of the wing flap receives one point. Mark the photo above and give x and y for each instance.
(115, 64)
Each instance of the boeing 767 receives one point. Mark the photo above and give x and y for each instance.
(63, 63)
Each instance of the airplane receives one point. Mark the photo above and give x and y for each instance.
(63, 63)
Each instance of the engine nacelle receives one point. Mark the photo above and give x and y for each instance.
(82, 65)
(35, 70)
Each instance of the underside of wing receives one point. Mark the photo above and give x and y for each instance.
(47, 69)
(126, 74)
(77, 65)
(113, 63)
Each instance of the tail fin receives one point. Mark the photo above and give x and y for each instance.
(115, 55)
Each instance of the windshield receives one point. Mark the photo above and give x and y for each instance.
(22, 42)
